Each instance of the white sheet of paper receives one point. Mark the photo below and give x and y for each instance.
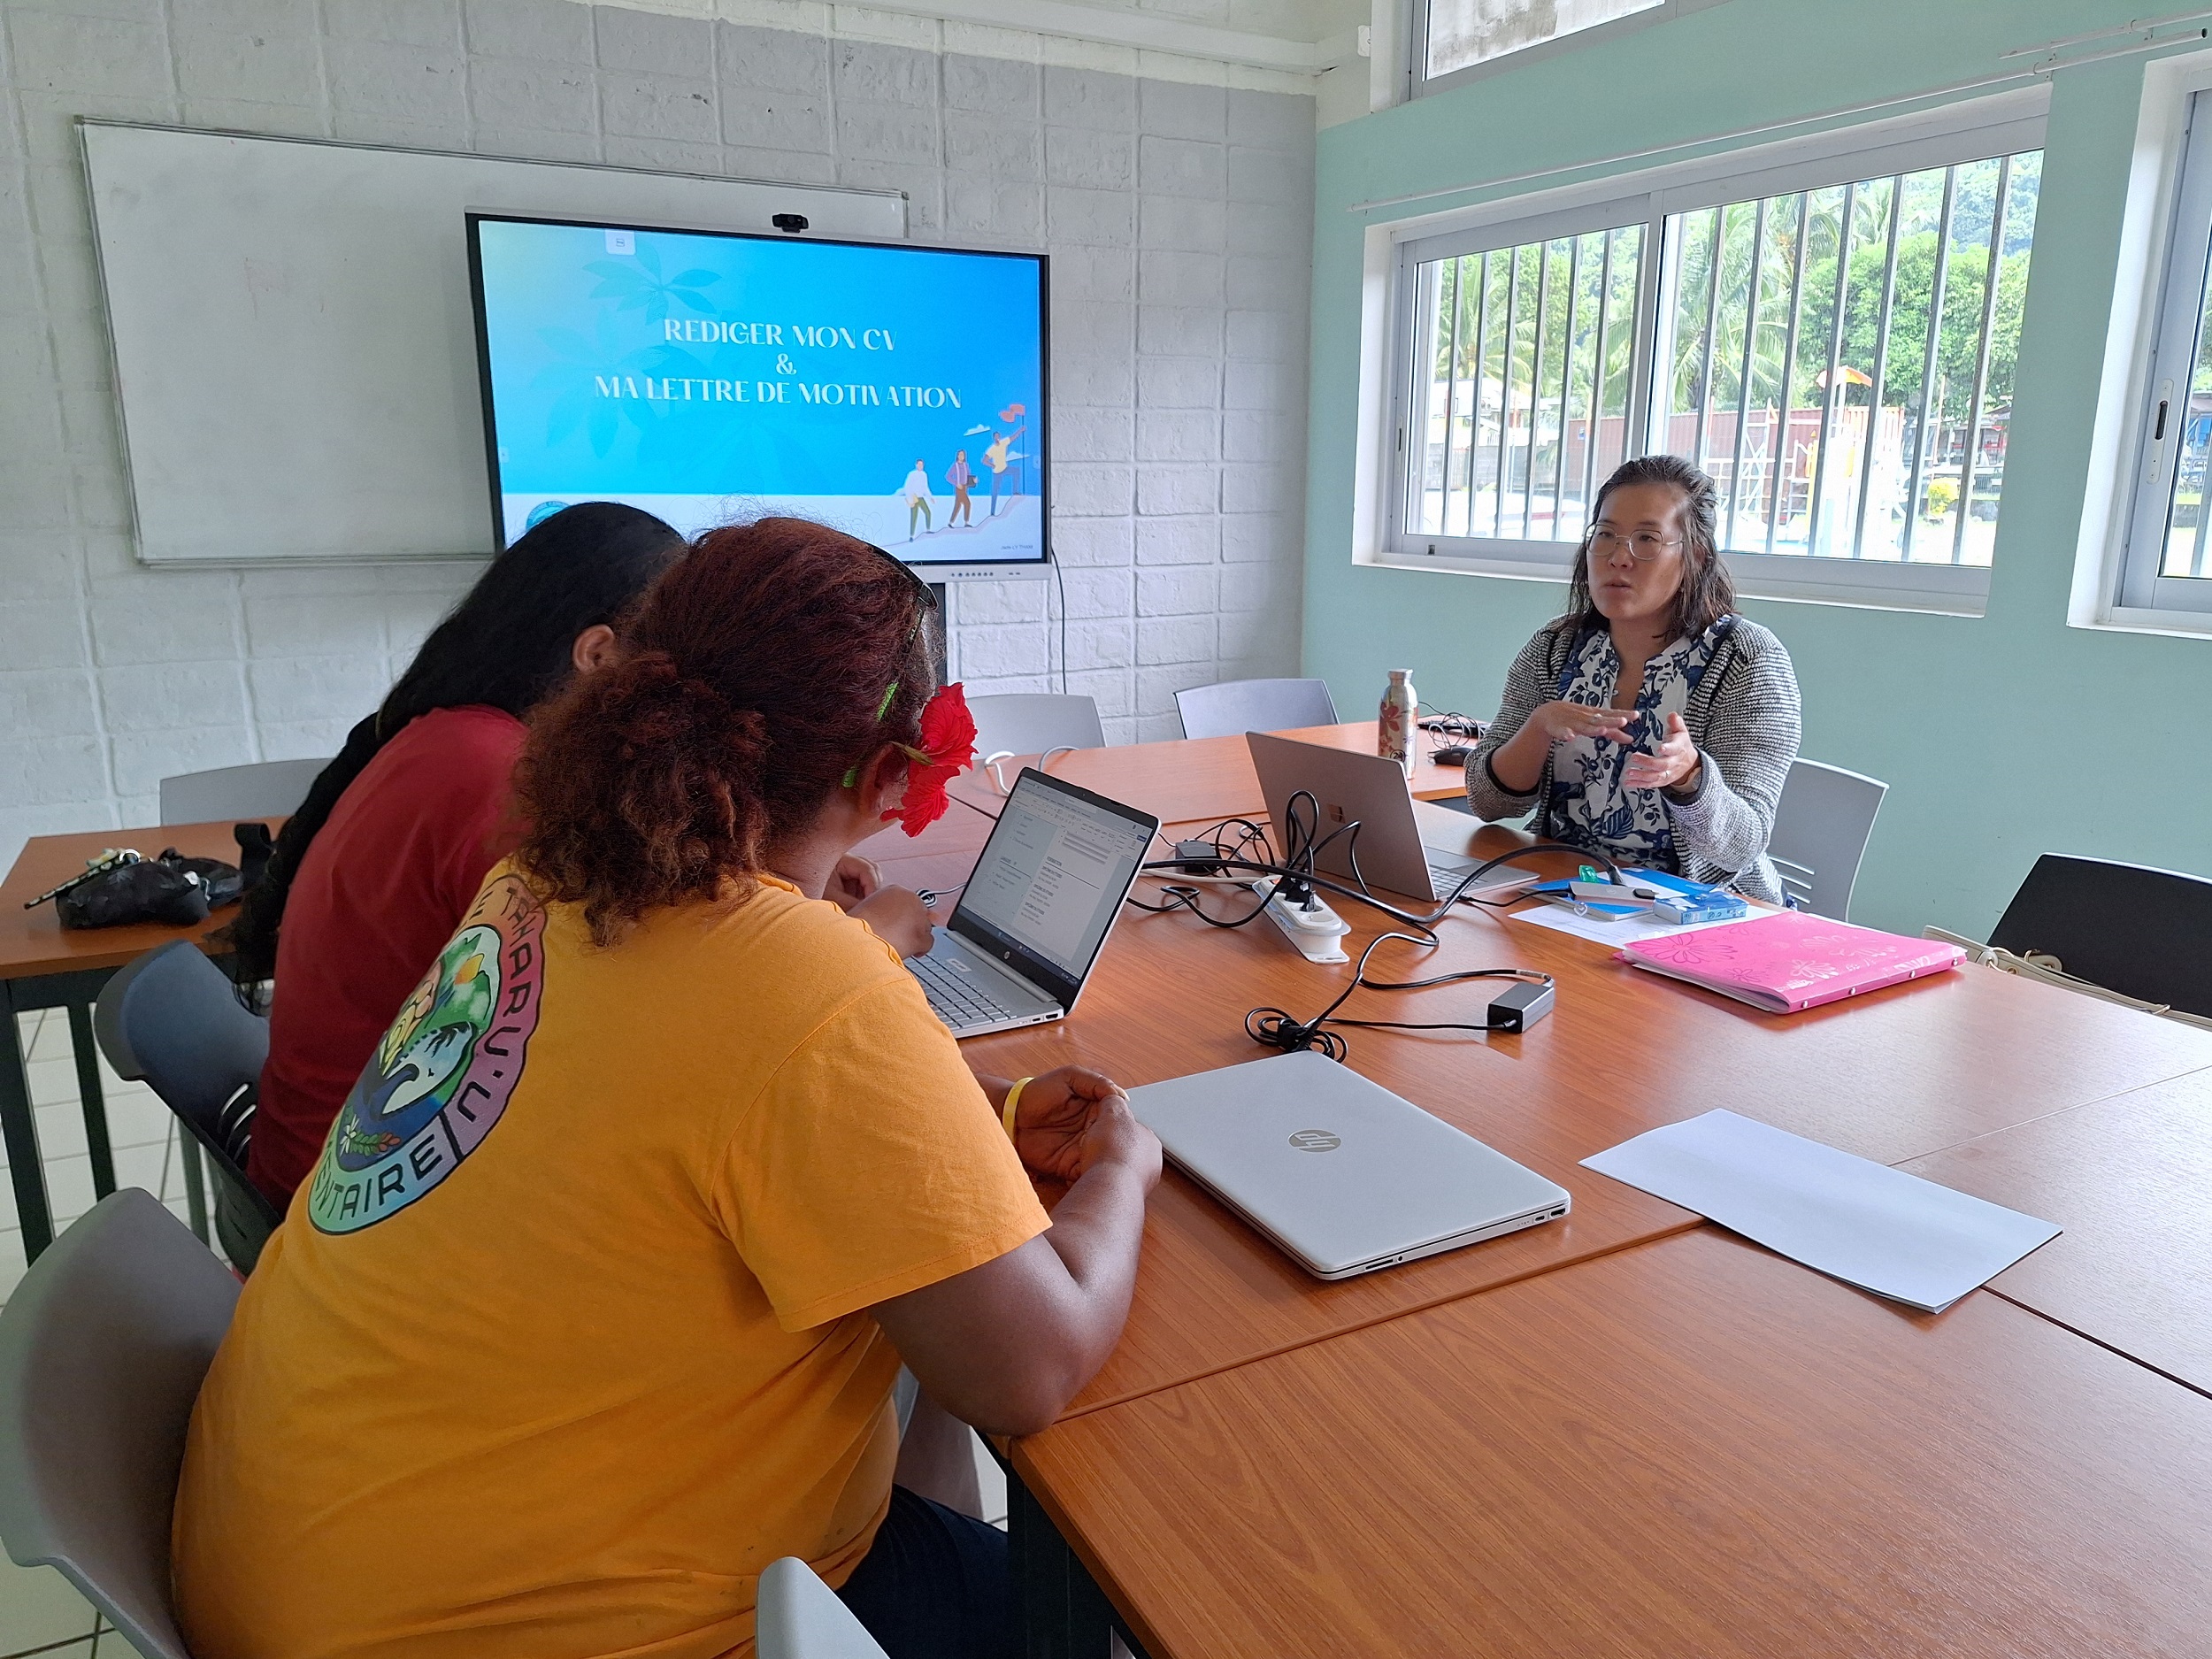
(1853, 1219)
(1628, 930)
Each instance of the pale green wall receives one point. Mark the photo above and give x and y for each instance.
(2002, 736)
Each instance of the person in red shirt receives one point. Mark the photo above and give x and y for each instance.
(372, 874)
(386, 853)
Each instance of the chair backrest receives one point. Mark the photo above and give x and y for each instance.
(2144, 932)
(800, 1618)
(173, 1018)
(1237, 706)
(102, 1349)
(1821, 829)
(1029, 723)
(273, 789)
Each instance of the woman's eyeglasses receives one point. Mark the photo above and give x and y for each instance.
(1643, 547)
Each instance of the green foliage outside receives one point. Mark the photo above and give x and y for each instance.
(1505, 316)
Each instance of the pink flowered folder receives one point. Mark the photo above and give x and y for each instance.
(1791, 959)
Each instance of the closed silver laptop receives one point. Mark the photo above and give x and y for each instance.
(1348, 788)
(1341, 1174)
(1044, 894)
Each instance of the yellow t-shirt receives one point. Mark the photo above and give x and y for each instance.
(566, 1339)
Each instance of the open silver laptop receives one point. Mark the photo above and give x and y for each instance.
(1371, 791)
(1342, 1174)
(1038, 906)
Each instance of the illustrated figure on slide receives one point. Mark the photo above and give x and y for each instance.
(916, 492)
(960, 477)
(995, 457)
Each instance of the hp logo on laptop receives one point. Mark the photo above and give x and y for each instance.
(1316, 1141)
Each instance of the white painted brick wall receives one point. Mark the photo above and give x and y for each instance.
(1179, 216)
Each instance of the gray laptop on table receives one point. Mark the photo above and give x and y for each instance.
(1371, 791)
(1342, 1174)
(1037, 908)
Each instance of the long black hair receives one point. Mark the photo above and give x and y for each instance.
(508, 645)
(1707, 595)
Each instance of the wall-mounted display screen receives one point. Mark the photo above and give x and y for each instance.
(895, 391)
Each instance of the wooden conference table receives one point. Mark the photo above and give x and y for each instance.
(1628, 1433)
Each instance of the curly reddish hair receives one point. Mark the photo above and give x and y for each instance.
(748, 684)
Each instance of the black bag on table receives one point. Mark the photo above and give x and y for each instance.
(171, 888)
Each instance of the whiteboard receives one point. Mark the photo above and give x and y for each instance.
(295, 344)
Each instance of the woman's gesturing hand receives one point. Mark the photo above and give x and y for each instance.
(1674, 765)
(1070, 1120)
(899, 917)
(854, 879)
(1563, 722)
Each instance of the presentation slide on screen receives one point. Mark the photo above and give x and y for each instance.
(894, 392)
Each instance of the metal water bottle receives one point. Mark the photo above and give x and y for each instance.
(1395, 727)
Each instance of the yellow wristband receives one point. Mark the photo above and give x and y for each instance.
(1013, 1099)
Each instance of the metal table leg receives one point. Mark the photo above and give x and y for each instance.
(92, 1099)
(195, 1183)
(1064, 1613)
(19, 1128)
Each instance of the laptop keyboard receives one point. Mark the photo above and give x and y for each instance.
(956, 998)
(1448, 876)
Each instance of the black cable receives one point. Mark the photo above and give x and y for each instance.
(1060, 582)
(1275, 1029)
(1182, 897)
(1451, 723)
(1424, 924)
(1185, 898)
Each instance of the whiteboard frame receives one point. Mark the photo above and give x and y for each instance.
(86, 125)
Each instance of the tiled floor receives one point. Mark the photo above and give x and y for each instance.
(39, 1612)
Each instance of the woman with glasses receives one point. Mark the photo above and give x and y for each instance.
(1651, 723)
(591, 1307)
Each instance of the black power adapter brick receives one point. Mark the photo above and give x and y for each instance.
(1198, 858)
(1520, 1006)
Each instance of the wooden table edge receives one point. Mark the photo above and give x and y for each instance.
(1689, 1223)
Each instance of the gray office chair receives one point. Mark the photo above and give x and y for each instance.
(102, 1349)
(1821, 828)
(2144, 932)
(800, 1618)
(1032, 723)
(1029, 723)
(273, 789)
(1237, 706)
(173, 1018)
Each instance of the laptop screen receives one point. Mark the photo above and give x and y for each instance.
(1052, 876)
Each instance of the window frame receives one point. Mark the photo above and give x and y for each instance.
(2176, 318)
(1945, 136)
(1414, 30)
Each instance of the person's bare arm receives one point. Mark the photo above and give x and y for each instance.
(1005, 1346)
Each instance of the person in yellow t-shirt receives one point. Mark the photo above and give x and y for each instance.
(593, 1305)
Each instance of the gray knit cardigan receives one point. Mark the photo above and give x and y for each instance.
(1744, 719)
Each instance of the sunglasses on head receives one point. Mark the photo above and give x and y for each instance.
(925, 602)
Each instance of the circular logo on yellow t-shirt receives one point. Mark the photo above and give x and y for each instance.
(441, 1077)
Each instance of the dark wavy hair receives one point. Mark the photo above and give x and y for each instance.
(508, 644)
(749, 683)
(1707, 595)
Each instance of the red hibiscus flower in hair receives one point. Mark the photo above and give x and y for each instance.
(947, 749)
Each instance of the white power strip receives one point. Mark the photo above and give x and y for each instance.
(1313, 926)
